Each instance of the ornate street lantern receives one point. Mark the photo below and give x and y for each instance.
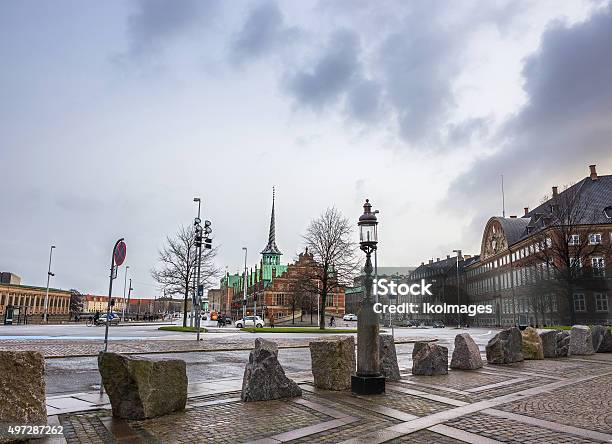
(368, 235)
(368, 380)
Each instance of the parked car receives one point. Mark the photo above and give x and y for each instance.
(349, 317)
(409, 323)
(114, 319)
(250, 321)
(438, 324)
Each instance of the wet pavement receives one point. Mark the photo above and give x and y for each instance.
(78, 374)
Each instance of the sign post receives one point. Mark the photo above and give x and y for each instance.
(119, 252)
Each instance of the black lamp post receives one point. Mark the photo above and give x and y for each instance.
(368, 380)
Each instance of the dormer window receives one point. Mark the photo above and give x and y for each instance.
(574, 239)
(608, 212)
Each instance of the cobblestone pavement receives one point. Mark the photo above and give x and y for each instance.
(586, 404)
(53, 348)
(549, 401)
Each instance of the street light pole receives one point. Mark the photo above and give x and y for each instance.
(200, 289)
(368, 380)
(244, 292)
(124, 288)
(457, 283)
(49, 274)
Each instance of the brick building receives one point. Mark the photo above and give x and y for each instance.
(525, 261)
(355, 293)
(138, 306)
(541, 268)
(271, 286)
(443, 274)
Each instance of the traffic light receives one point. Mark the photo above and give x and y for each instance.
(208, 243)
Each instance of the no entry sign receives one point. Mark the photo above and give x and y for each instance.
(119, 254)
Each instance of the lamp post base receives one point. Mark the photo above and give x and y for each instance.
(367, 385)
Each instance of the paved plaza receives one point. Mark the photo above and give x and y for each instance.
(566, 400)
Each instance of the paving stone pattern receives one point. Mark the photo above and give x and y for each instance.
(86, 428)
(508, 431)
(425, 437)
(569, 392)
(229, 423)
(586, 405)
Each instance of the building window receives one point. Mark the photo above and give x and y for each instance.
(601, 301)
(574, 239)
(599, 266)
(579, 302)
(575, 262)
(595, 238)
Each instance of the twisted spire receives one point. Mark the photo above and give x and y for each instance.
(271, 248)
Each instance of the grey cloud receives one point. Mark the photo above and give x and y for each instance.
(565, 124)
(331, 73)
(463, 132)
(414, 53)
(156, 21)
(263, 31)
(364, 101)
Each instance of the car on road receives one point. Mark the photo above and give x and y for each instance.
(438, 324)
(349, 317)
(113, 319)
(250, 321)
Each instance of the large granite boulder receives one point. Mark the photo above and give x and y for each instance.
(606, 342)
(333, 362)
(466, 355)
(429, 359)
(597, 336)
(581, 341)
(505, 347)
(388, 358)
(22, 391)
(141, 388)
(264, 378)
(532, 344)
(563, 342)
(549, 343)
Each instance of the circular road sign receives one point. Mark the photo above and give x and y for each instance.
(120, 251)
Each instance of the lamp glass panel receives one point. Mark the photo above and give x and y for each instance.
(367, 233)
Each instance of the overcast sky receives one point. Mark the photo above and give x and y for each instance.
(115, 114)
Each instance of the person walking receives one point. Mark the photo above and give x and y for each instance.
(332, 321)
(272, 321)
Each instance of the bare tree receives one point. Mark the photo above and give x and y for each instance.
(76, 302)
(332, 259)
(177, 267)
(560, 259)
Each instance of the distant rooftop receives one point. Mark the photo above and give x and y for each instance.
(395, 271)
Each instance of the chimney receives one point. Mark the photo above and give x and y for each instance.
(431, 261)
(526, 210)
(513, 217)
(422, 263)
(555, 191)
(437, 259)
(448, 256)
(593, 172)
